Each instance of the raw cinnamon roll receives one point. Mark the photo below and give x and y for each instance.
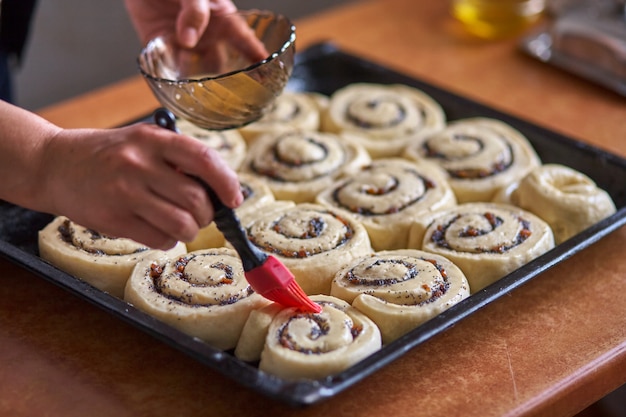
(399, 290)
(388, 196)
(480, 155)
(313, 241)
(252, 338)
(387, 117)
(297, 165)
(203, 294)
(487, 240)
(567, 199)
(228, 143)
(102, 261)
(291, 110)
(256, 195)
(313, 346)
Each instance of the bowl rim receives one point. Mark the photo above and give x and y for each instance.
(272, 56)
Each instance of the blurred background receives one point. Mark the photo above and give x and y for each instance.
(78, 45)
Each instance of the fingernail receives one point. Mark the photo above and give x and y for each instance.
(238, 200)
(189, 37)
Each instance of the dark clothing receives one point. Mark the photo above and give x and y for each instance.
(15, 21)
(6, 87)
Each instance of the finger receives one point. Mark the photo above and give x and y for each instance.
(167, 218)
(220, 177)
(193, 157)
(143, 232)
(131, 226)
(244, 39)
(180, 190)
(192, 21)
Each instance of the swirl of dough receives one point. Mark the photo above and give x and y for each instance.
(387, 117)
(480, 156)
(290, 110)
(487, 240)
(297, 165)
(388, 195)
(311, 240)
(228, 143)
(568, 200)
(102, 261)
(401, 289)
(316, 345)
(202, 293)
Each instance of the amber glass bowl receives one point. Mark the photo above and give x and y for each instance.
(218, 87)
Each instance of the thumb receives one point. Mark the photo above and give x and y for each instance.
(192, 21)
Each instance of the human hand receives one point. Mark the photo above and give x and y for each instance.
(194, 24)
(131, 182)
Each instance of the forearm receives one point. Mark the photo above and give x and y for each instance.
(23, 137)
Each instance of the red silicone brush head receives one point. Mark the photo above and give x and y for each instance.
(274, 281)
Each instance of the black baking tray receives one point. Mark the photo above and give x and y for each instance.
(324, 68)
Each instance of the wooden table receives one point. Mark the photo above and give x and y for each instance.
(550, 348)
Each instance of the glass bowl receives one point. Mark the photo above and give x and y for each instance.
(218, 87)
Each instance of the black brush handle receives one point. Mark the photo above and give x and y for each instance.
(228, 223)
(224, 217)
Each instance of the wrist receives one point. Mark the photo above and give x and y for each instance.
(24, 138)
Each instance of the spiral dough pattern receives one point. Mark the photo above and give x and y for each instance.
(291, 110)
(307, 345)
(102, 261)
(297, 165)
(311, 240)
(202, 293)
(401, 289)
(488, 240)
(388, 195)
(387, 117)
(480, 156)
